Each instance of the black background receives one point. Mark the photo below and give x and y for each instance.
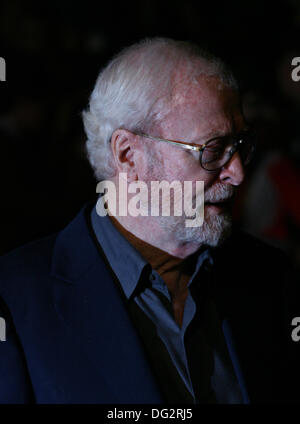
(54, 51)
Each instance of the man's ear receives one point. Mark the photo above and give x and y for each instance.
(123, 148)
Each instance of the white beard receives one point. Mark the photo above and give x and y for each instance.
(216, 227)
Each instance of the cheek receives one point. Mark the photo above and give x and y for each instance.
(171, 165)
(161, 165)
(185, 167)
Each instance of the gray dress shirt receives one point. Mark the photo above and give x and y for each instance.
(197, 350)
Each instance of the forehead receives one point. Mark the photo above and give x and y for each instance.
(202, 106)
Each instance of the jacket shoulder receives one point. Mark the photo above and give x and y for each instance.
(28, 261)
(31, 268)
(247, 248)
(246, 261)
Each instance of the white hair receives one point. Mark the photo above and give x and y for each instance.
(134, 91)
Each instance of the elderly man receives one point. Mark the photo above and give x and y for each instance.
(141, 308)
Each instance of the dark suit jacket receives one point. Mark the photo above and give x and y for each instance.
(70, 338)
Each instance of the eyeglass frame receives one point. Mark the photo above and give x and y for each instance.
(200, 147)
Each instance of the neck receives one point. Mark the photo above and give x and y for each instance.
(147, 228)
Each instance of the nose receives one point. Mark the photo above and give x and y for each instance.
(233, 172)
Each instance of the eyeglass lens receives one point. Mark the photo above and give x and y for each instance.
(219, 151)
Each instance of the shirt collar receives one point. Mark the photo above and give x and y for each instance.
(124, 259)
(127, 263)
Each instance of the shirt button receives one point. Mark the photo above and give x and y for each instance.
(152, 278)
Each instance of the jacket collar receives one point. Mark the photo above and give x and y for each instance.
(95, 311)
(74, 252)
(94, 314)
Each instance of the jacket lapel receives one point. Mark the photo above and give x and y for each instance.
(243, 315)
(94, 314)
(230, 343)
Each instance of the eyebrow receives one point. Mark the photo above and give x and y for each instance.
(210, 136)
(205, 139)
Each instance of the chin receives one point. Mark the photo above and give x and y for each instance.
(217, 227)
(215, 230)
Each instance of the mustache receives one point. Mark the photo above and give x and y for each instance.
(219, 193)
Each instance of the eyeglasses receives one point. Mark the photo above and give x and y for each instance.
(217, 152)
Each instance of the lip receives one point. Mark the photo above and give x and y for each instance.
(220, 205)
